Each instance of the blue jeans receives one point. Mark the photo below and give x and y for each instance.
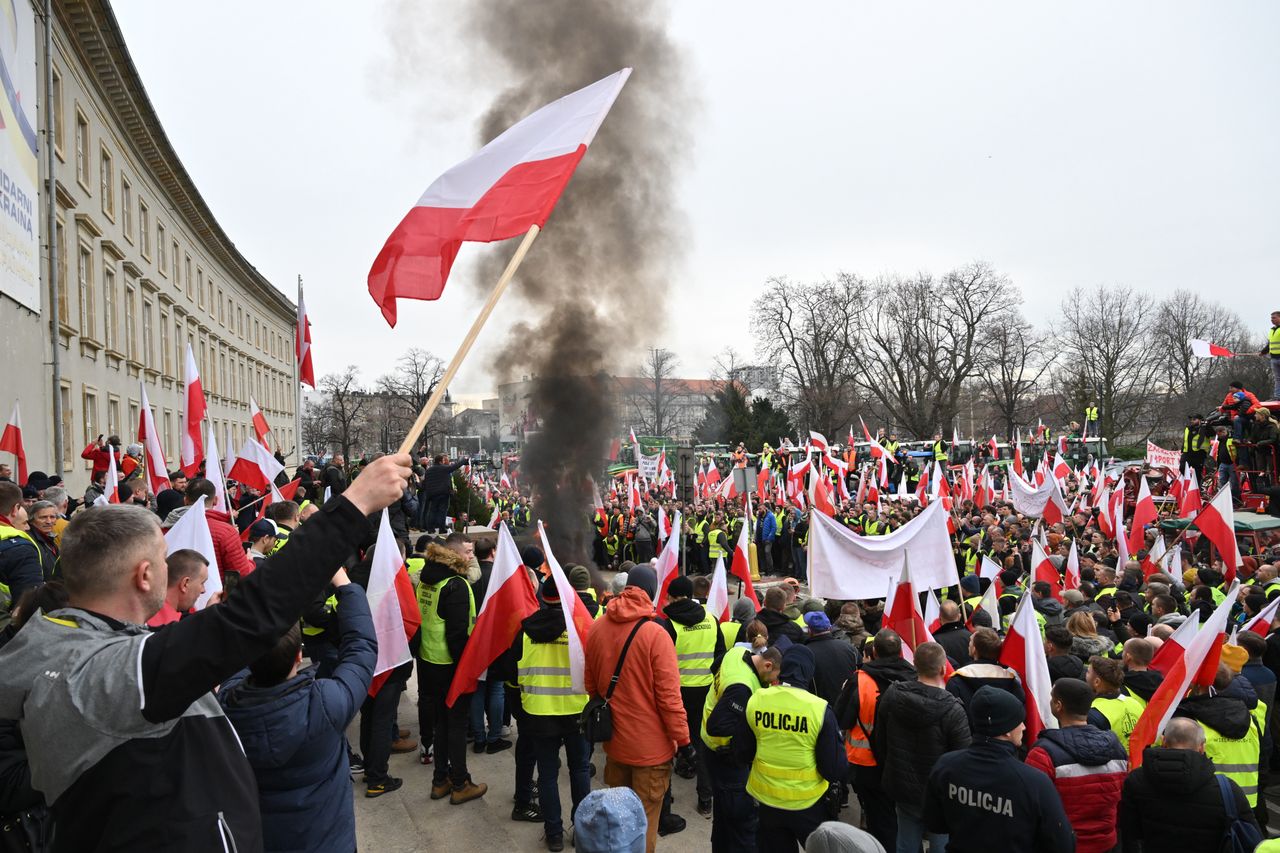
(799, 563)
(1227, 474)
(487, 698)
(577, 752)
(436, 512)
(911, 832)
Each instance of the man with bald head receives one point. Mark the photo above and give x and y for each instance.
(124, 737)
(952, 634)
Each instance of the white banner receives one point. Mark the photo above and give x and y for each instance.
(1032, 501)
(19, 166)
(1158, 457)
(648, 465)
(844, 565)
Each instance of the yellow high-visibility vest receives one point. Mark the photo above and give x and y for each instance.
(1237, 759)
(433, 648)
(546, 687)
(786, 722)
(695, 650)
(735, 668)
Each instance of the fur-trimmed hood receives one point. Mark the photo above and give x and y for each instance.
(441, 561)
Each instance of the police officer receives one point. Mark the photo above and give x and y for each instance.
(699, 644)
(984, 797)
(796, 754)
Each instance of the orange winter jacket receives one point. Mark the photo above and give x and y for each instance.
(648, 715)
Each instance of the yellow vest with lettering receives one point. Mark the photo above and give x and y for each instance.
(695, 650)
(546, 687)
(1237, 759)
(786, 722)
(734, 669)
(1122, 713)
(433, 648)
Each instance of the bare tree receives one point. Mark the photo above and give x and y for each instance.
(1018, 359)
(654, 399)
(316, 433)
(1106, 355)
(346, 403)
(1191, 382)
(923, 338)
(809, 332)
(407, 390)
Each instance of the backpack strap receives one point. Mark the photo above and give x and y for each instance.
(1228, 798)
(617, 671)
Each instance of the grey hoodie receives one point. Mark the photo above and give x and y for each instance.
(836, 837)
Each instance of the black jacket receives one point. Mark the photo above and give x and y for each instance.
(954, 639)
(455, 599)
(969, 679)
(1065, 666)
(987, 799)
(778, 625)
(916, 724)
(1172, 802)
(437, 480)
(1142, 684)
(20, 566)
(335, 479)
(835, 662)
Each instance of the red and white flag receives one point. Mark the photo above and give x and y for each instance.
(509, 599)
(495, 518)
(817, 442)
(1189, 504)
(1208, 349)
(990, 604)
(820, 492)
(1144, 513)
(1202, 654)
(932, 612)
(668, 566)
(192, 417)
(255, 467)
(718, 596)
(740, 565)
(192, 531)
(1017, 456)
(384, 604)
(302, 342)
(213, 473)
(260, 427)
(1261, 624)
(110, 485)
(506, 188)
(902, 613)
(11, 442)
(157, 469)
(1176, 645)
(1042, 569)
(1073, 568)
(577, 619)
(1217, 522)
(1023, 652)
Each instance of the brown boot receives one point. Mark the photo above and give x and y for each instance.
(440, 790)
(467, 791)
(402, 733)
(404, 744)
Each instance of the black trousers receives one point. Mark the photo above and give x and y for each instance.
(782, 830)
(449, 725)
(877, 806)
(377, 721)
(734, 821)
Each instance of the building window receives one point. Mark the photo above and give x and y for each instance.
(58, 125)
(186, 274)
(199, 287)
(113, 416)
(82, 150)
(130, 323)
(222, 371)
(240, 322)
(68, 419)
(222, 309)
(147, 351)
(110, 313)
(64, 286)
(179, 357)
(144, 229)
(168, 431)
(106, 184)
(84, 279)
(90, 402)
(126, 207)
(162, 249)
(177, 279)
(166, 361)
(133, 417)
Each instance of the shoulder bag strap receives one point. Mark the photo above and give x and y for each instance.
(617, 670)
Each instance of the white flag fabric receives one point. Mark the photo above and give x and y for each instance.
(718, 597)
(569, 601)
(384, 604)
(213, 471)
(192, 531)
(847, 566)
(1032, 501)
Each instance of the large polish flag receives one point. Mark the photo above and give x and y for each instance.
(1217, 522)
(1023, 652)
(1208, 349)
(193, 414)
(260, 426)
(255, 467)
(11, 441)
(668, 566)
(392, 626)
(508, 601)
(1176, 645)
(577, 619)
(302, 343)
(152, 452)
(507, 187)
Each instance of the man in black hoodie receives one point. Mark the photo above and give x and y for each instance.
(541, 649)
(699, 644)
(1173, 801)
(776, 622)
(917, 722)
(952, 634)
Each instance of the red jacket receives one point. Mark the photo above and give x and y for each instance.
(101, 456)
(648, 714)
(227, 546)
(1087, 766)
(1230, 400)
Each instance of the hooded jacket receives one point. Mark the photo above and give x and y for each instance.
(544, 626)
(455, 604)
(1051, 609)
(835, 662)
(1142, 683)
(227, 546)
(968, 680)
(1172, 802)
(1226, 715)
(648, 714)
(294, 737)
(1088, 767)
(1086, 647)
(916, 724)
(780, 625)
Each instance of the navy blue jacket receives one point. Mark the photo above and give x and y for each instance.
(293, 735)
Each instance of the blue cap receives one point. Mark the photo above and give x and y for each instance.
(817, 621)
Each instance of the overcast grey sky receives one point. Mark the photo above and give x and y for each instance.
(1067, 144)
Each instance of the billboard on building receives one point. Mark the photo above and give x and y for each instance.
(19, 163)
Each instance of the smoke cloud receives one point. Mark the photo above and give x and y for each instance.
(598, 277)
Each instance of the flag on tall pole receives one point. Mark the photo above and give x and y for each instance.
(740, 563)
(718, 596)
(302, 342)
(1217, 522)
(192, 416)
(157, 468)
(260, 427)
(510, 186)
(1023, 652)
(577, 619)
(11, 442)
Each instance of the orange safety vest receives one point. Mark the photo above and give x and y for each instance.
(857, 742)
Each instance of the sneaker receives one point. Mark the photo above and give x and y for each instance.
(670, 824)
(424, 754)
(377, 789)
(533, 794)
(528, 812)
(555, 842)
(497, 746)
(440, 790)
(704, 808)
(478, 747)
(404, 744)
(505, 731)
(356, 764)
(466, 792)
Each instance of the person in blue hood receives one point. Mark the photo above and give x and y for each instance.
(292, 727)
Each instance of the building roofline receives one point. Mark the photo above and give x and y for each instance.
(95, 33)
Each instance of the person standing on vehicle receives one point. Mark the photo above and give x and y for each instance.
(1272, 349)
(1194, 445)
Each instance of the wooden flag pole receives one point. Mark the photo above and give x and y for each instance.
(451, 371)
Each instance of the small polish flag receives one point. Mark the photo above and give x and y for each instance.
(388, 622)
(817, 441)
(577, 619)
(213, 473)
(1023, 652)
(1144, 513)
(1190, 503)
(740, 565)
(509, 186)
(110, 485)
(668, 566)
(990, 604)
(1174, 647)
(1073, 567)
(260, 428)
(192, 531)
(1208, 349)
(302, 343)
(1217, 522)
(192, 450)
(1261, 624)
(1043, 569)
(718, 596)
(11, 442)
(157, 469)
(932, 612)
(255, 467)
